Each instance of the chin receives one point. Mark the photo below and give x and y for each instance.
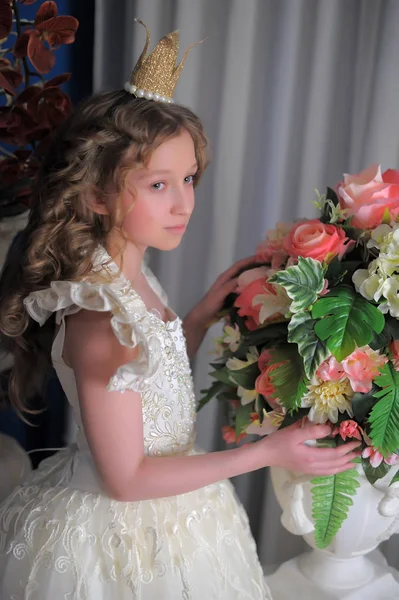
(167, 246)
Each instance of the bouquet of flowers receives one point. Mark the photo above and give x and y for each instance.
(311, 333)
(31, 107)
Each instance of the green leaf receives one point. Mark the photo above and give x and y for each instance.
(292, 417)
(302, 282)
(265, 335)
(373, 474)
(313, 351)
(338, 270)
(393, 326)
(363, 403)
(380, 340)
(331, 503)
(243, 417)
(245, 377)
(222, 375)
(395, 478)
(215, 387)
(346, 320)
(288, 378)
(384, 416)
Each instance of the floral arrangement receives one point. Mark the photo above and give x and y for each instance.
(311, 332)
(31, 107)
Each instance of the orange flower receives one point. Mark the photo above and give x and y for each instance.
(229, 435)
(49, 28)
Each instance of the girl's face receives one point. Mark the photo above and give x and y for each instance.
(158, 199)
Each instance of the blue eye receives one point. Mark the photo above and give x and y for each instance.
(158, 186)
(189, 179)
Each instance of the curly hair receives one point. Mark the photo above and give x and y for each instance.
(104, 136)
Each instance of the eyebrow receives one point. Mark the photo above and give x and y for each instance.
(149, 173)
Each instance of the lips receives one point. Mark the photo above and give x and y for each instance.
(177, 227)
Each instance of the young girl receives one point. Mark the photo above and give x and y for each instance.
(131, 511)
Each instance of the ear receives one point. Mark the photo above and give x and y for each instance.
(97, 204)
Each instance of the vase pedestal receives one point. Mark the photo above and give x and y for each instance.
(317, 576)
(351, 567)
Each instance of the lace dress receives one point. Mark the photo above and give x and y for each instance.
(63, 538)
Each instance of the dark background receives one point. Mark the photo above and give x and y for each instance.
(47, 428)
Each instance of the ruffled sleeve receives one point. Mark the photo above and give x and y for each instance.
(131, 323)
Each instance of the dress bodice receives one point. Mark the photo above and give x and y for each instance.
(161, 371)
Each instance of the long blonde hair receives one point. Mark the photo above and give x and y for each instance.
(104, 135)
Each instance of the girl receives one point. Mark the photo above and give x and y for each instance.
(131, 511)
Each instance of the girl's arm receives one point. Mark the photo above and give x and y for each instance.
(114, 429)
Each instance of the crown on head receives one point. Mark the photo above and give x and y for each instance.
(155, 76)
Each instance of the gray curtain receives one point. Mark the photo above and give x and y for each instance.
(293, 93)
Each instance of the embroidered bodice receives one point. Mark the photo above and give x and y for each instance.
(161, 371)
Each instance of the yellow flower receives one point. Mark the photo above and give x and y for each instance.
(271, 422)
(236, 364)
(232, 337)
(246, 396)
(326, 398)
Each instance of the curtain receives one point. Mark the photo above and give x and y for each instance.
(292, 93)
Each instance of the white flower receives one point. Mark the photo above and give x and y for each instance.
(369, 286)
(219, 347)
(272, 303)
(232, 337)
(271, 422)
(327, 398)
(379, 233)
(246, 396)
(390, 291)
(236, 364)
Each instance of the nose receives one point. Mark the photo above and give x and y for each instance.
(183, 201)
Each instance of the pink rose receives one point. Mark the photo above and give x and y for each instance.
(264, 359)
(370, 197)
(362, 366)
(317, 240)
(263, 383)
(330, 370)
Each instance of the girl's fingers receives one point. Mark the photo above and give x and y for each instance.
(337, 462)
(334, 453)
(320, 471)
(349, 447)
(231, 271)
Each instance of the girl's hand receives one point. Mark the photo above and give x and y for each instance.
(206, 311)
(286, 448)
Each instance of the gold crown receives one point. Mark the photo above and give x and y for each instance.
(155, 76)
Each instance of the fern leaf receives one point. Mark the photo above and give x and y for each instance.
(331, 503)
(384, 416)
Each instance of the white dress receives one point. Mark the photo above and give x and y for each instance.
(63, 538)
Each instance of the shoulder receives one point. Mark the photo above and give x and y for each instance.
(91, 344)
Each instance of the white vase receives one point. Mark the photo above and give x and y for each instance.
(351, 567)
